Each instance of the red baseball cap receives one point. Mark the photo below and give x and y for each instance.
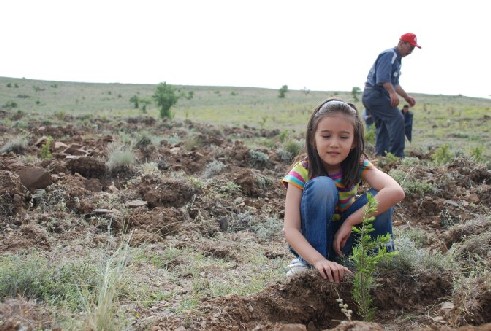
(410, 38)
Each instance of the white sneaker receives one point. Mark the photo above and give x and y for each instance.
(296, 266)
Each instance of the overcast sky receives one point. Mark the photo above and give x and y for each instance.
(316, 44)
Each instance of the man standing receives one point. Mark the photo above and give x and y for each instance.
(381, 96)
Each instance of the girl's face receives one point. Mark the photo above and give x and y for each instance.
(334, 139)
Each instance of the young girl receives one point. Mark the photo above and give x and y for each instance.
(321, 205)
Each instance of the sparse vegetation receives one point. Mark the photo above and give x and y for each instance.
(370, 135)
(17, 145)
(135, 101)
(120, 158)
(45, 151)
(410, 184)
(477, 153)
(442, 155)
(213, 168)
(200, 193)
(258, 158)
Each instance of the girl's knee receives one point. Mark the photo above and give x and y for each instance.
(320, 189)
(321, 182)
(383, 223)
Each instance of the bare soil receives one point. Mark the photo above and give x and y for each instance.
(166, 209)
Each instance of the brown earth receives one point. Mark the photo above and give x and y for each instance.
(166, 208)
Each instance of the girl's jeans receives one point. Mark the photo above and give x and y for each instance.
(317, 207)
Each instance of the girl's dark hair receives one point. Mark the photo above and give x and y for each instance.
(351, 165)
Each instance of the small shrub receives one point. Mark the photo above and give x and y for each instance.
(294, 147)
(283, 136)
(258, 158)
(370, 135)
(263, 121)
(120, 159)
(389, 161)
(174, 139)
(418, 236)
(60, 115)
(143, 142)
(267, 229)
(442, 155)
(150, 168)
(10, 104)
(197, 183)
(409, 161)
(241, 221)
(448, 219)
(230, 187)
(263, 181)
(411, 185)
(46, 149)
(477, 153)
(135, 101)
(471, 295)
(192, 143)
(284, 155)
(17, 145)
(213, 168)
(410, 257)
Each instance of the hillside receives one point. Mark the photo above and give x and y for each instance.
(460, 122)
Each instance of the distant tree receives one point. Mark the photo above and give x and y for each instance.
(283, 91)
(165, 96)
(145, 103)
(135, 101)
(355, 91)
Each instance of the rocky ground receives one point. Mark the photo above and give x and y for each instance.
(203, 189)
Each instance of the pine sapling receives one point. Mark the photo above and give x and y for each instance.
(367, 253)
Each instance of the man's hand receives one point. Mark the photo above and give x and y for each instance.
(410, 100)
(394, 99)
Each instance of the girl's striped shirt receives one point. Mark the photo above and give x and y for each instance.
(299, 175)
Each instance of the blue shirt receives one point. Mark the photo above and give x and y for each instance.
(387, 68)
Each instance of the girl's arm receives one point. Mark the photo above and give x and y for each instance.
(389, 193)
(293, 235)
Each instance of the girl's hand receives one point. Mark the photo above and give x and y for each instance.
(332, 271)
(341, 237)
